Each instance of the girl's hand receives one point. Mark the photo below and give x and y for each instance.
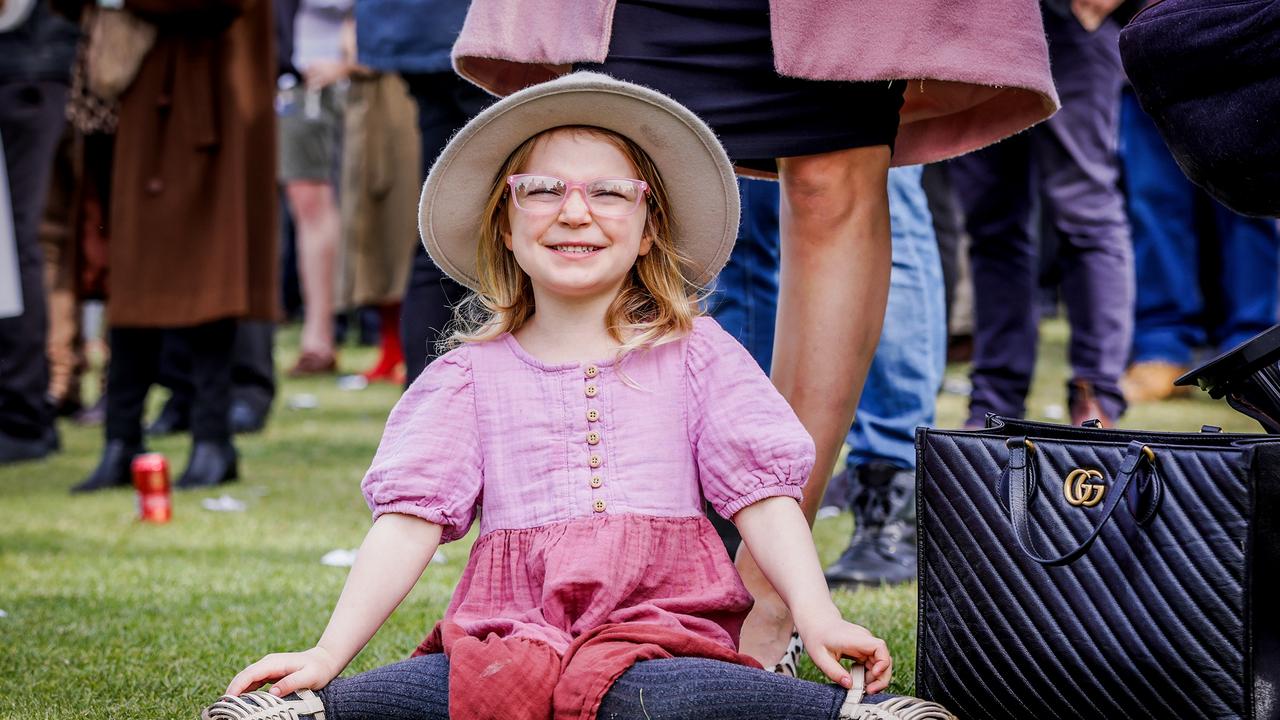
(311, 669)
(829, 640)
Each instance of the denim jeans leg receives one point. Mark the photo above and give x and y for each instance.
(1250, 268)
(1162, 214)
(745, 300)
(902, 384)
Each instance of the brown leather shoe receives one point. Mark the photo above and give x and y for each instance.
(312, 364)
(1085, 406)
(1152, 380)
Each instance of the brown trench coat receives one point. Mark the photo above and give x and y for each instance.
(381, 180)
(194, 206)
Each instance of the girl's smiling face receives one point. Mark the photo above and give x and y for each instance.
(573, 254)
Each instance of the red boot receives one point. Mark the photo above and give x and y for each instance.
(390, 365)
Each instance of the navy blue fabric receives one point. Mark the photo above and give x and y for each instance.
(41, 49)
(408, 36)
(1068, 168)
(1205, 70)
(673, 689)
(1164, 616)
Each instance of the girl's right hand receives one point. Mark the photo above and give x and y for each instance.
(311, 669)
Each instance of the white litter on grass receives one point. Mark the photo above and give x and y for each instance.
(828, 511)
(303, 401)
(3, 614)
(226, 503)
(346, 558)
(957, 386)
(351, 383)
(1054, 412)
(339, 558)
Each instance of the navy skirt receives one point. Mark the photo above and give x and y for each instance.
(716, 58)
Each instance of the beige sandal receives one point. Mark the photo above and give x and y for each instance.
(259, 705)
(898, 708)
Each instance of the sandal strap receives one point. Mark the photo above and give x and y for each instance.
(260, 705)
(898, 708)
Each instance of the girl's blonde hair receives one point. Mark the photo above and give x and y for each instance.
(656, 304)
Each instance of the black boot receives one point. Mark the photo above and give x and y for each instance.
(883, 547)
(212, 462)
(174, 417)
(113, 469)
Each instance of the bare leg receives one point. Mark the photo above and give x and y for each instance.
(315, 214)
(834, 284)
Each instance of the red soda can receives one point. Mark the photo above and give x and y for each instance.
(151, 479)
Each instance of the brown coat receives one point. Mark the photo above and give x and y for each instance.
(381, 179)
(193, 207)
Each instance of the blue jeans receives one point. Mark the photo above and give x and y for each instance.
(745, 300)
(903, 381)
(1178, 230)
(902, 384)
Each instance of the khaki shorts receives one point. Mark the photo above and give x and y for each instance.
(310, 127)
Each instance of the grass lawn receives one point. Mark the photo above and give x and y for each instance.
(105, 617)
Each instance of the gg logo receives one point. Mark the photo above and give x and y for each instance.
(1080, 490)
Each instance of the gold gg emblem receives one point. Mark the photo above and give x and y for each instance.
(1080, 490)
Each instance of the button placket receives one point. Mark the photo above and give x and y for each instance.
(595, 458)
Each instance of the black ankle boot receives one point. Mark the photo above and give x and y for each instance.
(212, 462)
(113, 469)
(883, 547)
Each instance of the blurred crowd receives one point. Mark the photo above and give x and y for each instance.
(208, 169)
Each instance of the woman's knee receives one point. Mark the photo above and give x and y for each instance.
(835, 185)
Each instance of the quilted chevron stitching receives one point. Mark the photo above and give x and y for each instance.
(1009, 560)
(1109, 537)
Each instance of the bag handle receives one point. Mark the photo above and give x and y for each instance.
(1145, 500)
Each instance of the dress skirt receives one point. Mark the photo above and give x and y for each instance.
(716, 58)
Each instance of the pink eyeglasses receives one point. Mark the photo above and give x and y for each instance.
(606, 197)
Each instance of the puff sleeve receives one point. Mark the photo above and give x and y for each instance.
(748, 443)
(429, 463)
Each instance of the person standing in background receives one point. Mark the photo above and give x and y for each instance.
(310, 109)
(381, 181)
(36, 55)
(194, 221)
(414, 39)
(1069, 167)
(1209, 276)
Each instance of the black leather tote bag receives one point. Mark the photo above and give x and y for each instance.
(1070, 572)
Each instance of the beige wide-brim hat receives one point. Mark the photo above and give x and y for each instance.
(697, 173)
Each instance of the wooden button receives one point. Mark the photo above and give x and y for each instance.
(591, 371)
(591, 391)
(593, 438)
(596, 481)
(595, 461)
(598, 506)
(592, 416)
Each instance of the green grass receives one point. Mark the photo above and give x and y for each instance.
(110, 618)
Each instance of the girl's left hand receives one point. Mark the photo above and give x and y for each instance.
(828, 641)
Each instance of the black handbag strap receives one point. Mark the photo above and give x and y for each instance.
(1022, 479)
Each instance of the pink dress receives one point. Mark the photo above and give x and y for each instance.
(589, 481)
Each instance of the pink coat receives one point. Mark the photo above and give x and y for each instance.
(978, 69)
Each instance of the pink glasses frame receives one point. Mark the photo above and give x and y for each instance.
(581, 186)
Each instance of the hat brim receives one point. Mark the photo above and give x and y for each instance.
(698, 176)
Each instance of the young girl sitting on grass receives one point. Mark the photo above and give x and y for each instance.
(586, 412)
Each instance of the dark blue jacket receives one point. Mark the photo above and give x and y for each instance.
(408, 36)
(40, 49)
